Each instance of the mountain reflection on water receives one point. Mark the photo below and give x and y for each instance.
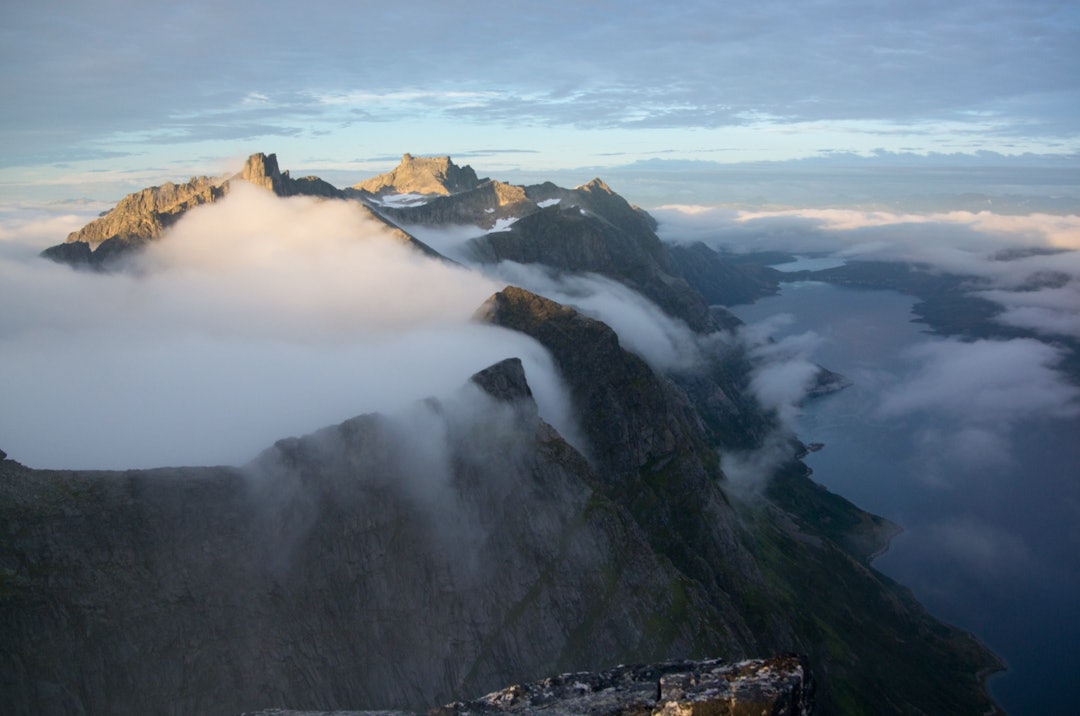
(990, 504)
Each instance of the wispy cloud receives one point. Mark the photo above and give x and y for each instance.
(970, 75)
(968, 399)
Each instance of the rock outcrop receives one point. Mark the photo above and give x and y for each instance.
(262, 170)
(781, 686)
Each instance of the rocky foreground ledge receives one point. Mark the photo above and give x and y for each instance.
(779, 686)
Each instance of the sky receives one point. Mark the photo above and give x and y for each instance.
(103, 98)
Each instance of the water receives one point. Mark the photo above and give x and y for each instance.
(809, 263)
(990, 504)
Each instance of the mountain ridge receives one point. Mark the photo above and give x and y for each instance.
(422, 175)
(470, 518)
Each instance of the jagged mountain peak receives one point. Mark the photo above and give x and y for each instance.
(262, 170)
(504, 380)
(596, 184)
(422, 175)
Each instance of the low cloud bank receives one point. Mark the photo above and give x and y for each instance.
(969, 397)
(783, 376)
(252, 319)
(1031, 263)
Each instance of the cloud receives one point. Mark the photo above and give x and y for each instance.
(664, 342)
(782, 377)
(984, 382)
(1049, 311)
(870, 234)
(783, 373)
(968, 399)
(1030, 264)
(253, 319)
(983, 74)
(26, 230)
(981, 550)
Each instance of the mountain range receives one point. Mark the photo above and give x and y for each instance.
(383, 563)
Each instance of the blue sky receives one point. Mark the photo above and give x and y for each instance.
(115, 95)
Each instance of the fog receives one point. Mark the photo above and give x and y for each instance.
(253, 319)
(782, 377)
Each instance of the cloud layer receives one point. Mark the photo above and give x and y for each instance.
(1029, 264)
(253, 319)
(968, 76)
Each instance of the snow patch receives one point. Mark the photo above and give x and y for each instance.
(502, 224)
(547, 202)
(401, 200)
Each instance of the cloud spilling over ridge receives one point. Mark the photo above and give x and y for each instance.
(782, 378)
(252, 319)
(666, 343)
(1012, 254)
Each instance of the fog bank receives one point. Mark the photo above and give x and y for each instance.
(252, 319)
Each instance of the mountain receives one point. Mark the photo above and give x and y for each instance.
(723, 279)
(144, 215)
(482, 206)
(463, 544)
(421, 175)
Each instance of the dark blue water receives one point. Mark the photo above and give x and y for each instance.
(990, 508)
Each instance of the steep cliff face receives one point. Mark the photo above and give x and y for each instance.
(400, 561)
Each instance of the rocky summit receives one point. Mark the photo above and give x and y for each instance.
(463, 544)
(422, 175)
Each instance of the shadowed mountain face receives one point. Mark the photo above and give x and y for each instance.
(385, 562)
(461, 544)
